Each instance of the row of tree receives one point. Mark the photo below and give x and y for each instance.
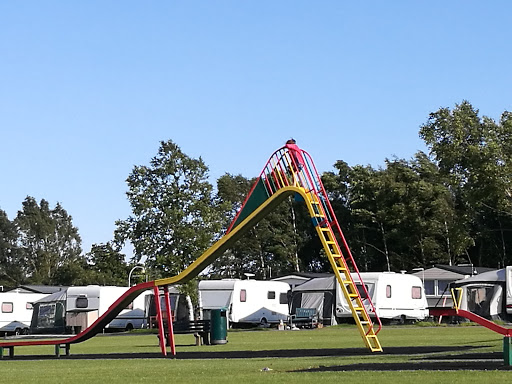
(42, 246)
(452, 205)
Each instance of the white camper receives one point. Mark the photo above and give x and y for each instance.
(247, 301)
(16, 311)
(395, 296)
(85, 304)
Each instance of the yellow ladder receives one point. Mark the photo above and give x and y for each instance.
(342, 272)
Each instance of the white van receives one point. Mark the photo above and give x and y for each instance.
(16, 311)
(395, 296)
(247, 301)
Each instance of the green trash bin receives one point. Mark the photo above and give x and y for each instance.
(218, 326)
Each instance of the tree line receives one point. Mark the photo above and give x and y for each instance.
(451, 205)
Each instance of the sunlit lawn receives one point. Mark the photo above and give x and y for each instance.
(249, 370)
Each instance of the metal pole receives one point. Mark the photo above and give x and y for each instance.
(160, 321)
(507, 351)
(169, 319)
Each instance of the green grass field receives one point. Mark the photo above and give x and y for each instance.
(248, 352)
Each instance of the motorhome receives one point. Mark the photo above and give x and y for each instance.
(246, 301)
(395, 296)
(76, 308)
(16, 311)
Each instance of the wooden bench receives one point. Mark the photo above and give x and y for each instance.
(304, 317)
(199, 328)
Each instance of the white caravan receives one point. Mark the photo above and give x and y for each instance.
(16, 311)
(85, 304)
(395, 296)
(247, 301)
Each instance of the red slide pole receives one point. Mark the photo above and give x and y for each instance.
(169, 319)
(160, 321)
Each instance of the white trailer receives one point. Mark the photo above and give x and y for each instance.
(395, 296)
(247, 301)
(16, 311)
(85, 304)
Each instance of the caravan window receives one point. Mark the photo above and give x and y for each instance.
(429, 287)
(29, 306)
(243, 295)
(388, 291)
(442, 287)
(46, 315)
(81, 302)
(283, 298)
(271, 295)
(361, 290)
(7, 307)
(416, 293)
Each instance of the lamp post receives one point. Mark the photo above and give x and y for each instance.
(131, 271)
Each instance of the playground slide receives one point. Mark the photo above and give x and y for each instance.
(472, 317)
(193, 270)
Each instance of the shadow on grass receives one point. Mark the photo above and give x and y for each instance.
(449, 362)
(424, 366)
(280, 353)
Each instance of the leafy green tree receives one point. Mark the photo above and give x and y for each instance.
(370, 201)
(231, 193)
(279, 241)
(175, 216)
(12, 257)
(474, 154)
(76, 273)
(48, 239)
(397, 217)
(107, 266)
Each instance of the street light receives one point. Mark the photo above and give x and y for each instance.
(130, 274)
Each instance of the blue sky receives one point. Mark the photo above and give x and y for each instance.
(88, 89)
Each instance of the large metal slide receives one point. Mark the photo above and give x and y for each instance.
(289, 172)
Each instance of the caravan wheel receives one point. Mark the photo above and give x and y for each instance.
(17, 331)
(264, 322)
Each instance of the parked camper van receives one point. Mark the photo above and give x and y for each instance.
(247, 301)
(16, 311)
(395, 296)
(79, 307)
